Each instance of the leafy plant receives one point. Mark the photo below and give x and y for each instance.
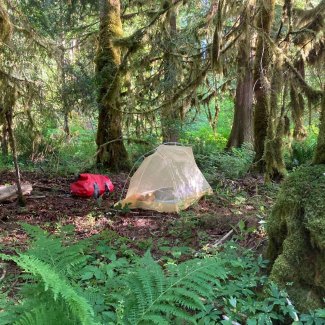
(63, 285)
(148, 294)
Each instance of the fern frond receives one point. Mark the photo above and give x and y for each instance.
(186, 298)
(48, 315)
(151, 292)
(49, 249)
(171, 310)
(155, 319)
(54, 282)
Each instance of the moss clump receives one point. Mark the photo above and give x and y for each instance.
(296, 230)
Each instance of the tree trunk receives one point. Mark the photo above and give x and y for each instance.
(4, 142)
(262, 82)
(111, 153)
(170, 117)
(320, 149)
(273, 151)
(64, 93)
(9, 117)
(5, 25)
(242, 128)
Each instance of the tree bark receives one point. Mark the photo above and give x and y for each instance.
(63, 90)
(262, 72)
(5, 25)
(170, 117)
(242, 128)
(298, 104)
(320, 149)
(9, 118)
(273, 151)
(111, 154)
(4, 141)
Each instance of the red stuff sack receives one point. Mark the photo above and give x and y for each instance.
(89, 185)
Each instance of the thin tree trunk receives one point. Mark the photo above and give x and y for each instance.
(262, 75)
(4, 141)
(320, 149)
(110, 154)
(9, 117)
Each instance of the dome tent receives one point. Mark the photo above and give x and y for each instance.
(167, 181)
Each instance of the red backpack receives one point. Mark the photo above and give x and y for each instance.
(89, 185)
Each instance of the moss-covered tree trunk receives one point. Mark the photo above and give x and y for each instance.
(5, 25)
(170, 116)
(298, 103)
(262, 77)
(296, 231)
(273, 150)
(242, 128)
(320, 149)
(111, 150)
(4, 142)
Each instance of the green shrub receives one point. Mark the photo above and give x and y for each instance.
(301, 152)
(231, 164)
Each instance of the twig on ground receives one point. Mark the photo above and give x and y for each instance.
(36, 197)
(4, 272)
(220, 241)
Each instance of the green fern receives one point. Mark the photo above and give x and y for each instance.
(65, 259)
(54, 282)
(49, 315)
(152, 296)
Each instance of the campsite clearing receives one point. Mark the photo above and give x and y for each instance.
(237, 205)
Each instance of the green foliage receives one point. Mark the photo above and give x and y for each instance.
(108, 289)
(54, 250)
(200, 134)
(49, 264)
(51, 151)
(231, 164)
(301, 152)
(152, 295)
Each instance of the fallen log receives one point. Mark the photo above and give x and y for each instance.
(9, 192)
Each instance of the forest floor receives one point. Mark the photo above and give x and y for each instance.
(239, 205)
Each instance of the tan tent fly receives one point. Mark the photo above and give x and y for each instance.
(167, 181)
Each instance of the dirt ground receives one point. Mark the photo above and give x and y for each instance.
(51, 206)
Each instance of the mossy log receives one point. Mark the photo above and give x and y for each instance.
(296, 230)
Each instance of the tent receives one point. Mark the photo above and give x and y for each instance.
(167, 181)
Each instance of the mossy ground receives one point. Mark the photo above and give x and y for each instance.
(296, 230)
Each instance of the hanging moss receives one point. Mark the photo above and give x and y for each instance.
(5, 26)
(273, 152)
(296, 230)
(297, 108)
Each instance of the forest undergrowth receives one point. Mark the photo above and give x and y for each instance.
(135, 267)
